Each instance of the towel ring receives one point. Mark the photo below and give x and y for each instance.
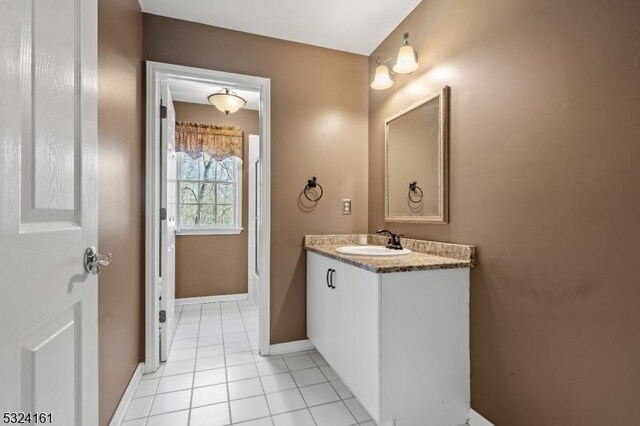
(413, 187)
(313, 183)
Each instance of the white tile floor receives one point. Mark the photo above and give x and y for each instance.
(214, 376)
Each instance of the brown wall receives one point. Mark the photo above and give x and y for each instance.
(318, 127)
(545, 179)
(213, 265)
(120, 209)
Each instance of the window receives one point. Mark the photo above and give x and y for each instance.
(209, 194)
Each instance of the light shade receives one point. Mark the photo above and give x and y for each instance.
(407, 61)
(226, 101)
(382, 80)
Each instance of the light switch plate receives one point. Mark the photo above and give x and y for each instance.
(346, 206)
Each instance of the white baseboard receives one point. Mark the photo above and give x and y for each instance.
(211, 299)
(475, 419)
(288, 347)
(121, 411)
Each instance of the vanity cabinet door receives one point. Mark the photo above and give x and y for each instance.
(319, 304)
(356, 352)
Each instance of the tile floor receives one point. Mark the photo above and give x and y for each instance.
(214, 376)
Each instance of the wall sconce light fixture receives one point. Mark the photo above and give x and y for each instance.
(406, 63)
(382, 80)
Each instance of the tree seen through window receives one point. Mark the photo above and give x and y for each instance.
(207, 191)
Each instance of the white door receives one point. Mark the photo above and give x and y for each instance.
(48, 210)
(254, 217)
(168, 202)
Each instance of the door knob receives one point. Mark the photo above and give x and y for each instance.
(93, 260)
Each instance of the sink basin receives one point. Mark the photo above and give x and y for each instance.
(374, 251)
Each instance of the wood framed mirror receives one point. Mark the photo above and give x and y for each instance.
(416, 161)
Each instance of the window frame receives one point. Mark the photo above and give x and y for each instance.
(236, 228)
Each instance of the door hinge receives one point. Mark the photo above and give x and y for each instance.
(163, 111)
(163, 316)
(163, 213)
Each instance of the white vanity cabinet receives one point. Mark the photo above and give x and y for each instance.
(399, 341)
(343, 311)
(320, 305)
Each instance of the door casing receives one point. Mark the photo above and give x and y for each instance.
(253, 224)
(156, 72)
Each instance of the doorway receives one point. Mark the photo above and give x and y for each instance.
(194, 196)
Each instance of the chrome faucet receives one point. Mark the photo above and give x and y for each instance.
(394, 239)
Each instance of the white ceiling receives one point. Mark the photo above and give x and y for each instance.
(196, 93)
(356, 26)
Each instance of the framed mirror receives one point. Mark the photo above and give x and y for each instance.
(416, 161)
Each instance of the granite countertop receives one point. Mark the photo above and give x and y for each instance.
(426, 255)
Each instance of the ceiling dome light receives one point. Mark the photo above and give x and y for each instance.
(407, 61)
(382, 80)
(226, 101)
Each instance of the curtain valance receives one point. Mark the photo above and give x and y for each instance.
(218, 141)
